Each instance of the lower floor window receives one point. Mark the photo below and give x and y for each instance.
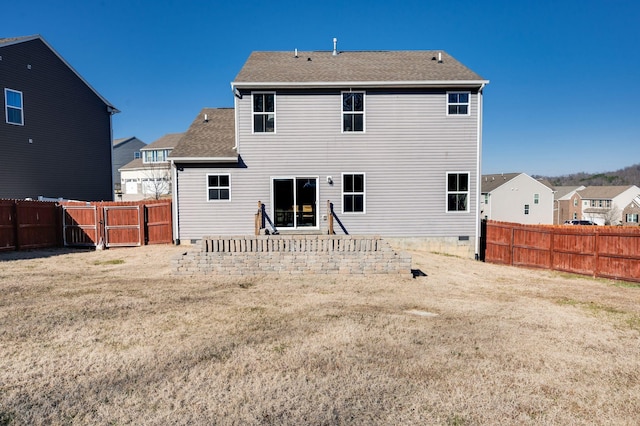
(457, 192)
(632, 218)
(353, 193)
(526, 209)
(218, 187)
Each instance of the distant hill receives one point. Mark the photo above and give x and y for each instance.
(627, 176)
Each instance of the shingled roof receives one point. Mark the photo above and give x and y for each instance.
(170, 140)
(372, 68)
(491, 182)
(210, 138)
(602, 192)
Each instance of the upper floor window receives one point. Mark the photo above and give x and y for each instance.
(155, 155)
(457, 192)
(575, 202)
(353, 111)
(264, 112)
(218, 187)
(458, 103)
(14, 112)
(136, 155)
(632, 218)
(536, 198)
(353, 193)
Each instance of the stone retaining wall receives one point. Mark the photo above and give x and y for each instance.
(293, 254)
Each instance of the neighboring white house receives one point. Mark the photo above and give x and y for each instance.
(392, 139)
(604, 205)
(516, 197)
(148, 176)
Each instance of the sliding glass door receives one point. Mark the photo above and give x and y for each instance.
(295, 202)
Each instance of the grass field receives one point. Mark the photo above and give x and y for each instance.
(112, 337)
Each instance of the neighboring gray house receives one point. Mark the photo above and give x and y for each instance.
(149, 176)
(391, 138)
(55, 128)
(124, 151)
(604, 205)
(516, 197)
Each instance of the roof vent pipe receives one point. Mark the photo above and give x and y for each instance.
(440, 57)
(296, 54)
(335, 46)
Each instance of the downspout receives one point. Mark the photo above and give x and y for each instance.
(236, 96)
(479, 170)
(174, 208)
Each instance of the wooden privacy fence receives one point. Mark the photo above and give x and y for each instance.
(600, 251)
(39, 224)
(28, 225)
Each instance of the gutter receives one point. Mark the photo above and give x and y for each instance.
(368, 84)
(479, 169)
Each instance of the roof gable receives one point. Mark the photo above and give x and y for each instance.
(409, 68)
(4, 42)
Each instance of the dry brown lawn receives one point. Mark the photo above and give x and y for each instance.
(112, 337)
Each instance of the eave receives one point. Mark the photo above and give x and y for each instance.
(203, 159)
(358, 84)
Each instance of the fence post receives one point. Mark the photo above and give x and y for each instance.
(16, 226)
(142, 219)
(258, 219)
(596, 253)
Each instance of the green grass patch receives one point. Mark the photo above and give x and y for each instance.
(109, 262)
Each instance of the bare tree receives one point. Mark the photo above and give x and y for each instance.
(612, 216)
(156, 182)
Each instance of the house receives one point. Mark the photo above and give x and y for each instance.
(567, 204)
(56, 128)
(516, 197)
(604, 204)
(149, 175)
(389, 141)
(631, 213)
(124, 151)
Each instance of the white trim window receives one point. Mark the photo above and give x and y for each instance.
(457, 191)
(536, 198)
(352, 112)
(219, 187)
(458, 103)
(264, 112)
(155, 155)
(353, 193)
(13, 107)
(632, 218)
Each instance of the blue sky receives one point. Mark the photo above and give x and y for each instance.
(564, 74)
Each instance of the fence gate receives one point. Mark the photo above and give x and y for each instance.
(80, 225)
(122, 226)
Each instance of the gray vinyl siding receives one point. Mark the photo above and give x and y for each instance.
(68, 124)
(408, 147)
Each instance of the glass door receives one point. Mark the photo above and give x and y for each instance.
(295, 202)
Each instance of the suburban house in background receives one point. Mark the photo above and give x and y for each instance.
(631, 212)
(568, 205)
(516, 197)
(389, 141)
(124, 151)
(604, 204)
(56, 128)
(149, 175)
